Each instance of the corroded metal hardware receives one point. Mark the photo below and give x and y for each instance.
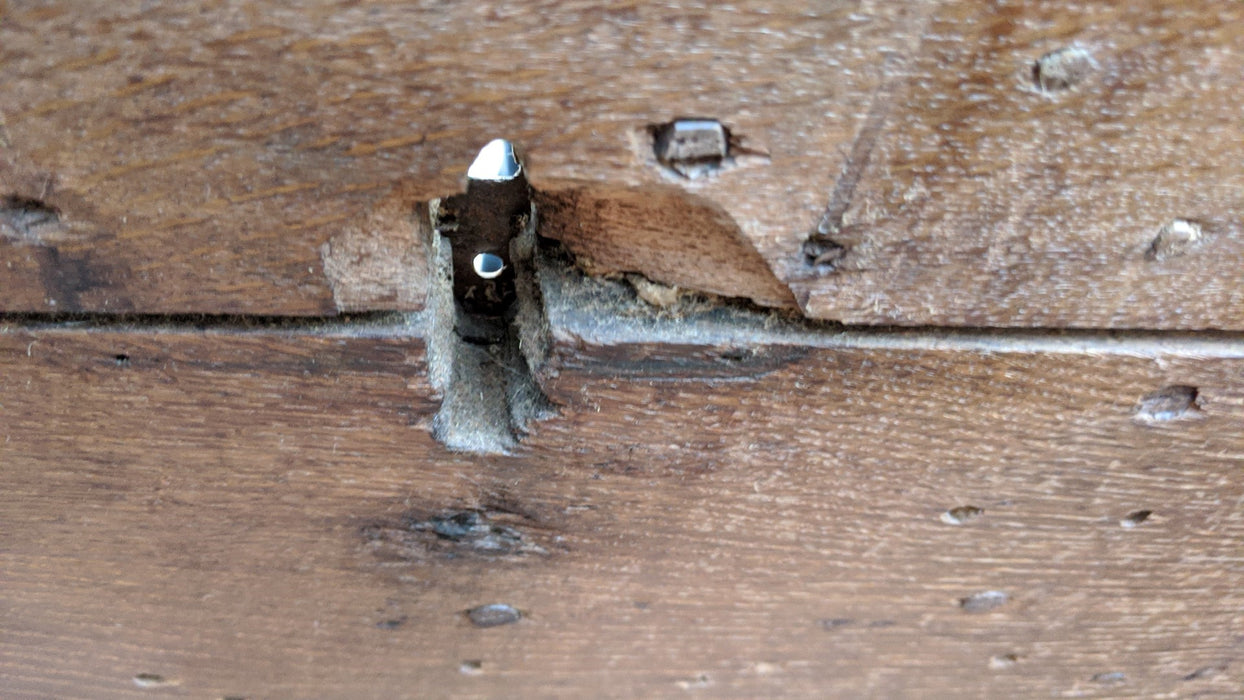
(489, 393)
(480, 225)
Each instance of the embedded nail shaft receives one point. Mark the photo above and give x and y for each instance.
(493, 211)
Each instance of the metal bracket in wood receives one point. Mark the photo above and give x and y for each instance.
(489, 307)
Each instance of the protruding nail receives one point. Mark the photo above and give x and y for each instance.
(1062, 69)
(823, 253)
(494, 615)
(692, 139)
(495, 162)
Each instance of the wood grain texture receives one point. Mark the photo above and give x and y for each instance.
(200, 160)
(201, 157)
(664, 233)
(251, 513)
(729, 503)
(988, 201)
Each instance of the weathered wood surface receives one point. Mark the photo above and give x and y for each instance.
(201, 159)
(720, 509)
(260, 132)
(984, 200)
(675, 238)
(730, 503)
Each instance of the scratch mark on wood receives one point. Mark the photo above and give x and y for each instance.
(894, 75)
(861, 150)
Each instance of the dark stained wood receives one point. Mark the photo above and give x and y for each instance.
(724, 505)
(987, 201)
(200, 161)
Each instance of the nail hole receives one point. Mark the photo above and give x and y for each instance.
(1062, 69)
(465, 525)
(1205, 672)
(122, 360)
(151, 680)
(26, 217)
(823, 254)
(488, 266)
(961, 514)
(1110, 677)
(493, 615)
(391, 624)
(1135, 518)
(1175, 238)
(700, 681)
(1170, 403)
(456, 534)
(835, 622)
(471, 667)
(983, 601)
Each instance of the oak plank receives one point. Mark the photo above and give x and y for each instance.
(989, 200)
(200, 161)
(741, 511)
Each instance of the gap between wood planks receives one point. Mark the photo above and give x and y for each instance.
(1202, 344)
(489, 396)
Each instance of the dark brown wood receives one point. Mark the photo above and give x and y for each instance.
(666, 234)
(730, 501)
(199, 161)
(725, 503)
(987, 196)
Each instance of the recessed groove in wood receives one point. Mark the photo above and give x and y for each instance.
(727, 326)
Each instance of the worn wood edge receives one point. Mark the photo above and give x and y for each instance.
(600, 311)
(383, 262)
(667, 234)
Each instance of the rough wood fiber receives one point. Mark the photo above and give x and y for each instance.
(670, 236)
(200, 158)
(986, 200)
(264, 514)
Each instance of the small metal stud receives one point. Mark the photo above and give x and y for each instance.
(691, 147)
